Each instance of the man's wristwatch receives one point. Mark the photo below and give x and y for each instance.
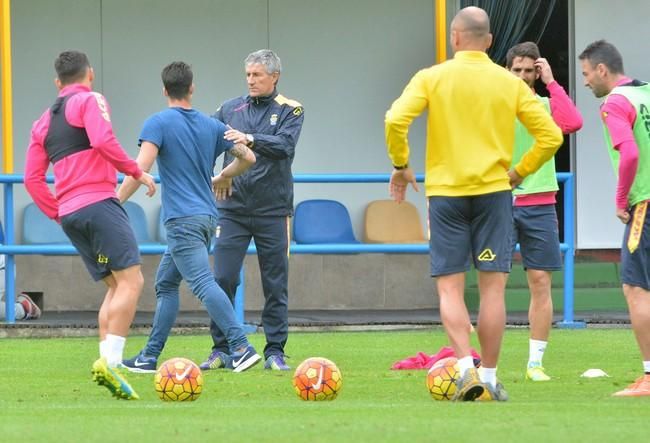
(250, 140)
(399, 168)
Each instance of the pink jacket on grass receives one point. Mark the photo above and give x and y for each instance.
(425, 361)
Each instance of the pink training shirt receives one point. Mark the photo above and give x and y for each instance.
(85, 177)
(566, 115)
(619, 116)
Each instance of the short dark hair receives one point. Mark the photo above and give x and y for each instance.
(177, 78)
(525, 49)
(71, 66)
(601, 51)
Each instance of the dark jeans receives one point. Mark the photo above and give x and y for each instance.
(187, 258)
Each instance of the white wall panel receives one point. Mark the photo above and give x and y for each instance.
(140, 38)
(346, 62)
(40, 30)
(625, 25)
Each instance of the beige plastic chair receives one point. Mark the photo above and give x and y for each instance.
(389, 222)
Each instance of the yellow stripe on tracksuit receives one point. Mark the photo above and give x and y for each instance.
(638, 220)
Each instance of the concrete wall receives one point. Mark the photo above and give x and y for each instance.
(373, 281)
(345, 61)
(597, 225)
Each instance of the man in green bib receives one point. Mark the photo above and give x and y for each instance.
(625, 112)
(535, 219)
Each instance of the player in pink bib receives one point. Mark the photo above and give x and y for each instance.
(75, 135)
(625, 112)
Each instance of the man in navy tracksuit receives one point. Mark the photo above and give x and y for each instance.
(259, 203)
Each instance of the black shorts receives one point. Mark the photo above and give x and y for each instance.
(103, 237)
(474, 229)
(635, 264)
(538, 234)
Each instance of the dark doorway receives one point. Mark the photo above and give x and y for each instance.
(554, 46)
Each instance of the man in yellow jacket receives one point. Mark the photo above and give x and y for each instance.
(472, 106)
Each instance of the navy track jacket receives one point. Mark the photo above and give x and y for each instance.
(266, 189)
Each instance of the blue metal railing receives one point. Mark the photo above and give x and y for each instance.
(11, 249)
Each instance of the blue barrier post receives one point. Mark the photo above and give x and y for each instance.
(10, 265)
(239, 303)
(568, 321)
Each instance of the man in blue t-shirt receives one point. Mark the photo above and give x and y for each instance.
(186, 144)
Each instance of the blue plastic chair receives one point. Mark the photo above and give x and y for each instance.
(138, 221)
(38, 229)
(322, 221)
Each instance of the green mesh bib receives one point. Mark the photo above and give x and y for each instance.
(544, 179)
(639, 97)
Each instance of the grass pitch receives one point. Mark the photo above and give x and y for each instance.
(46, 394)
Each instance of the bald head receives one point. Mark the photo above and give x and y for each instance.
(470, 30)
(472, 20)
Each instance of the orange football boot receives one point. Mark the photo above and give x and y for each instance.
(640, 388)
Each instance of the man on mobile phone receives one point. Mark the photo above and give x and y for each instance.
(535, 219)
